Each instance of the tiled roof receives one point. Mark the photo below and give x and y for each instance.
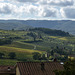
(38, 68)
(7, 70)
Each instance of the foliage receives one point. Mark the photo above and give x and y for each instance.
(69, 68)
(52, 32)
(22, 43)
(5, 41)
(32, 35)
(1, 55)
(12, 55)
(36, 56)
(8, 62)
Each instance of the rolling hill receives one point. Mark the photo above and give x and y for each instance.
(23, 44)
(13, 24)
(65, 25)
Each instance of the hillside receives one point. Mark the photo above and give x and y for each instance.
(42, 40)
(16, 25)
(21, 55)
(65, 25)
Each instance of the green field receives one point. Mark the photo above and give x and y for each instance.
(8, 62)
(23, 44)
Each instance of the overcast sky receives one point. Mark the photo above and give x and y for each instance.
(37, 9)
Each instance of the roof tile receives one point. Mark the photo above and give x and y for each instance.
(34, 68)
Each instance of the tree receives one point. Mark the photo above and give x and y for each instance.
(43, 57)
(69, 68)
(52, 53)
(12, 55)
(32, 35)
(36, 56)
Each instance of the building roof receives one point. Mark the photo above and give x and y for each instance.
(39, 68)
(7, 69)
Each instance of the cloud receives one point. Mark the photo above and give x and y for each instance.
(27, 1)
(47, 12)
(39, 11)
(68, 12)
(1, 0)
(50, 2)
(7, 8)
(28, 10)
(38, 8)
(57, 2)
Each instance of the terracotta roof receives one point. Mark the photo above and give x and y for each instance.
(38, 68)
(7, 70)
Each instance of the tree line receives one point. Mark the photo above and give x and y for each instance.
(51, 32)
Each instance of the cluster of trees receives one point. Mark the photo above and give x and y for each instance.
(51, 32)
(38, 56)
(11, 55)
(35, 36)
(5, 41)
(69, 68)
(50, 55)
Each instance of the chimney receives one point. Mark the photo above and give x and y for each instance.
(62, 63)
(42, 66)
(9, 69)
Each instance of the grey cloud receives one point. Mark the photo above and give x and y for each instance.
(5, 10)
(69, 12)
(65, 3)
(57, 2)
(50, 13)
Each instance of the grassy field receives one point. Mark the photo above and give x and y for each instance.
(8, 62)
(23, 45)
(20, 54)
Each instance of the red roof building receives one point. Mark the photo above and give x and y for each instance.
(37, 68)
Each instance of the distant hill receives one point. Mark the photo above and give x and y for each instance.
(65, 25)
(13, 24)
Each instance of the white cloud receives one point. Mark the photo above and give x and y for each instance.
(1, 0)
(47, 12)
(39, 11)
(27, 10)
(37, 8)
(68, 12)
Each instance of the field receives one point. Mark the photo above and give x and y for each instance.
(24, 43)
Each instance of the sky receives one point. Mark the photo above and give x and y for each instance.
(37, 9)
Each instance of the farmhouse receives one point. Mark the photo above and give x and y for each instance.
(31, 68)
